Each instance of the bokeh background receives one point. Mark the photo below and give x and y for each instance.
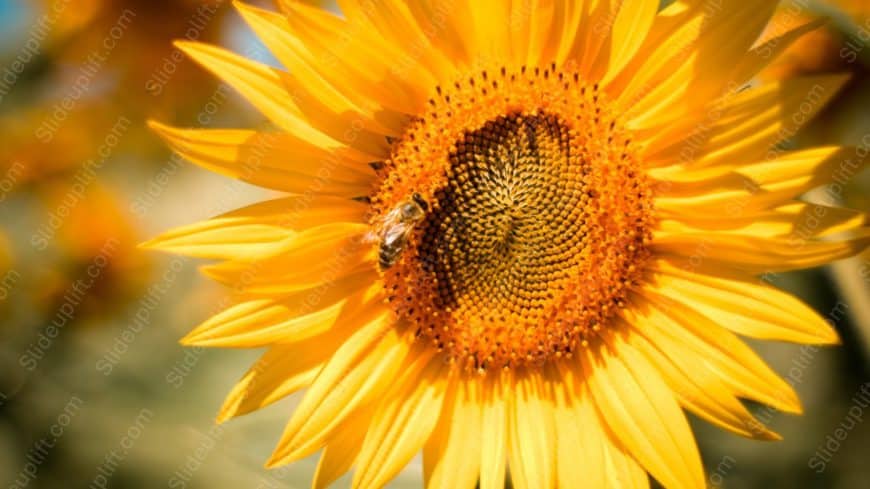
(95, 390)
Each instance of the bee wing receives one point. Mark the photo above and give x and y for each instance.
(397, 233)
(383, 224)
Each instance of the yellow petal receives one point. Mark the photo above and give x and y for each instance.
(630, 27)
(396, 22)
(273, 160)
(728, 31)
(670, 39)
(281, 371)
(755, 186)
(623, 470)
(699, 390)
(403, 421)
(797, 221)
(305, 260)
(494, 452)
(261, 85)
(305, 314)
(254, 230)
(339, 102)
(709, 345)
(592, 32)
(451, 456)
(643, 415)
(530, 29)
(342, 450)
(757, 254)
(741, 126)
(358, 54)
(566, 23)
(359, 371)
(259, 323)
(532, 436)
(770, 49)
(491, 22)
(767, 117)
(747, 306)
(236, 240)
(449, 28)
(580, 460)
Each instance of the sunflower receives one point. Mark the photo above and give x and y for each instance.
(518, 236)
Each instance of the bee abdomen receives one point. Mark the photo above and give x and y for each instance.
(387, 256)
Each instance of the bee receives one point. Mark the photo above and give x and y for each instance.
(395, 228)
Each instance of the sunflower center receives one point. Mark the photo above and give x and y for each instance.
(513, 217)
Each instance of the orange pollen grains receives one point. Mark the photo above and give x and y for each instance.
(537, 218)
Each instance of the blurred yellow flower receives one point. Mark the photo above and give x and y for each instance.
(119, 51)
(857, 9)
(836, 47)
(515, 237)
(40, 160)
(97, 245)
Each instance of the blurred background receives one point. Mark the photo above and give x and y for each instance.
(95, 390)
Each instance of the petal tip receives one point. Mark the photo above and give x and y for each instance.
(243, 7)
(228, 411)
(793, 406)
(771, 436)
(155, 125)
(830, 336)
(164, 131)
(185, 45)
(198, 51)
(190, 339)
(276, 460)
(146, 245)
(154, 244)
